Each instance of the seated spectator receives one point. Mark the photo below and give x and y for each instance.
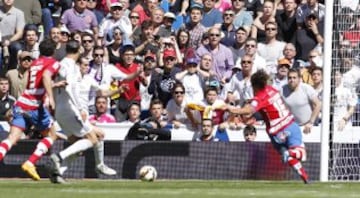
(157, 113)
(243, 18)
(207, 129)
(289, 53)
(56, 36)
(286, 21)
(144, 9)
(92, 6)
(113, 49)
(227, 28)
(101, 115)
(149, 65)
(251, 47)
(280, 78)
(194, 27)
(176, 107)
(317, 79)
(18, 78)
(6, 102)
(133, 113)
(258, 26)
(249, 133)
(134, 20)
(169, 43)
(30, 41)
(308, 8)
(146, 41)
(183, 41)
(238, 48)
(88, 43)
(212, 16)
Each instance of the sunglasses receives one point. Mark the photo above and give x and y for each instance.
(248, 62)
(27, 58)
(116, 8)
(249, 45)
(87, 41)
(217, 35)
(230, 14)
(134, 17)
(272, 29)
(169, 59)
(149, 60)
(178, 92)
(117, 33)
(98, 55)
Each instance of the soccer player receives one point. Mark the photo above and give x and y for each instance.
(283, 131)
(29, 109)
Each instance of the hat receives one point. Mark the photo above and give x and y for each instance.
(150, 55)
(193, 60)
(24, 54)
(116, 4)
(169, 53)
(127, 47)
(284, 61)
(170, 15)
(196, 6)
(64, 29)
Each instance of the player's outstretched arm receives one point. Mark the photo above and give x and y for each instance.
(246, 110)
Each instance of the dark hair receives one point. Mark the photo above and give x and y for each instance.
(210, 88)
(72, 34)
(177, 85)
(155, 102)
(82, 57)
(316, 68)
(98, 47)
(133, 103)
(293, 70)
(47, 47)
(101, 97)
(127, 48)
(259, 79)
(87, 34)
(181, 30)
(72, 47)
(249, 129)
(146, 24)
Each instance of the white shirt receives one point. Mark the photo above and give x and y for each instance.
(271, 53)
(344, 99)
(145, 96)
(242, 87)
(176, 112)
(107, 25)
(259, 63)
(193, 87)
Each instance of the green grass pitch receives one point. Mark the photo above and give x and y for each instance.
(23, 188)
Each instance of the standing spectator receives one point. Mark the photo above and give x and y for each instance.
(223, 60)
(212, 16)
(271, 49)
(147, 42)
(309, 37)
(161, 84)
(11, 27)
(207, 129)
(280, 78)
(149, 65)
(115, 19)
(302, 100)
(144, 9)
(18, 78)
(289, 53)
(258, 26)
(238, 48)
(251, 47)
(228, 29)
(87, 43)
(31, 9)
(286, 21)
(194, 27)
(113, 49)
(80, 18)
(183, 41)
(243, 18)
(92, 6)
(101, 115)
(311, 7)
(6, 100)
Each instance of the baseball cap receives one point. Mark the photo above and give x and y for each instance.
(170, 15)
(169, 53)
(284, 61)
(196, 6)
(193, 60)
(25, 54)
(64, 29)
(116, 4)
(127, 47)
(150, 56)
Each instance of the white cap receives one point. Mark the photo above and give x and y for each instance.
(170, 15)
(64, 29)
(116, 4)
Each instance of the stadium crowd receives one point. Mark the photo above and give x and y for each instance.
(184, 60)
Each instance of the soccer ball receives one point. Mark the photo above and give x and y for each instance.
(147, 173)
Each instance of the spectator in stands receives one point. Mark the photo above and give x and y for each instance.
(314, 60)
(353, 33)
(147, 41)
(286, 21)
(317, 79)
(113, 50)
(101, 115)
(18, 78)
(212, 16)
(161, 84)
(144, 9)
(227, 28)
(272, 49)
(11, 27)
(183, 41)
(249, 133)
(251, 47)
(55, 35)
(344, 105)
(351, 72)
(302, 100)
(223, 60)
(206, 64)
(80, 18)
(92, 6)
(168, 43)
(31, 39)
(280, 78)
(311, 7)
(133, 113)
(47, 15)
(115, 19)
(254, 7)
(290, 54)
(6, 102)
(31, 9)
(157, 113)
(165, 29)
(243, 18)
(128, 66)
(149, 65)
(258, 26)
(134, 20)
(192, 80)
(88, 43)
(176, 107)
(65, 34)
(207, 129)
(309, 37)
(194, 27)
(238, 48)
(157, 18)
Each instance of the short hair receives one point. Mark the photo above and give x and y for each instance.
(4, 79)
(249, 129)
(259, 79)
(177, 85)
(251, 39)
(87, 34)
(100, 97)
(47, 47)
(293, 70)
(98, 47)
(210, 88)
(316, 68)
(146, 24)
(155, 102)
(133, 103)
(72, 47)
(271, 23)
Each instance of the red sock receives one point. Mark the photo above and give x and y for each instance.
(41, 148)
(296, 165)
(4, 148)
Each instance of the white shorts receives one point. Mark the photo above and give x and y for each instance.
(71, 123)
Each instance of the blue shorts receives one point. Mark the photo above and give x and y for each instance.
(289, 137)
(39, 118)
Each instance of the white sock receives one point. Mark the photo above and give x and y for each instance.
(78, 146)
(99, 152)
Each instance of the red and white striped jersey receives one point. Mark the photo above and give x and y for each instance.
(34, 94)
(273, 109)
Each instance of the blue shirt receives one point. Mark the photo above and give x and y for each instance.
(211, 18)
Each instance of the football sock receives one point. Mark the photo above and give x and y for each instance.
(99, 152)
(78, 146)
(42, 147)
(5, 146)
(296, 165)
